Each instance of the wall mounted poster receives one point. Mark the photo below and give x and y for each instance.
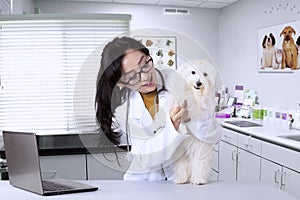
(162, 49)
(278, 48)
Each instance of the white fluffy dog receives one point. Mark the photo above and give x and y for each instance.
(194, 164)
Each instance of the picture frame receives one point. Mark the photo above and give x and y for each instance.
(274, 52)
(163, 49)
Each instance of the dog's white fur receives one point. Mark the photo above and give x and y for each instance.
(269, 52)
(194, 165)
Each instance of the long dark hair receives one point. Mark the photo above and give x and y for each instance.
(108, 96)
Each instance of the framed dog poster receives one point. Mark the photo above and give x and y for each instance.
(162, 49)
(277, 48)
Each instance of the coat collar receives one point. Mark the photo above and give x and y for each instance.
(140, 112)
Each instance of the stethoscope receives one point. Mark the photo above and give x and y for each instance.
(127, 131)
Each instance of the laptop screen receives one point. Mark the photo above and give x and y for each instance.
(23, 161)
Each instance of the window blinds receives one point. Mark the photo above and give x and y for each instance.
(48, 70)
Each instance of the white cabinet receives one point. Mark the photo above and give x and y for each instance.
(248, 166)
(280, 167)
(108, 166)
(102, 166)
(248, 158)
(271, 172)
(227, 161)
(66, 166)
(280, 176)
(214, 175)
(228, 155)
(239, 157)
(290, 182)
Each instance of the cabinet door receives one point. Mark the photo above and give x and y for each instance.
(213, 176)
(248, 166)
(290, 182)
(270, 172)
(107, 166)
(66, 167)
(215, 161)
(229, 136)
(227, 161)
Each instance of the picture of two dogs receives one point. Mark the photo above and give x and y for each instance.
(287, 56)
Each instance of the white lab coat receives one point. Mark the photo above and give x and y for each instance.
(153, 142)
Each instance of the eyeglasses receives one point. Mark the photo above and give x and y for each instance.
(131, 78)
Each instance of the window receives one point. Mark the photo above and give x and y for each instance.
(48, 69)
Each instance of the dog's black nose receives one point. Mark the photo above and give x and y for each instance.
(287, 37)
(198, 83)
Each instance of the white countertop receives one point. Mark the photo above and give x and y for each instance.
(124, 190)
(266, 134)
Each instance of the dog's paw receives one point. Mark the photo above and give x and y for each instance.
(198, 181)
(181, 181)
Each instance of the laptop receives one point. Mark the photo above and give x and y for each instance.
(24, 169)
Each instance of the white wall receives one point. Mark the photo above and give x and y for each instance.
(238, 50)
(201, 25)
(229, 35)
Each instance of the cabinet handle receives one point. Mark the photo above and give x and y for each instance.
(247, 144)
(234, 155)
(283, 180)
(276, 175)
(227, 137)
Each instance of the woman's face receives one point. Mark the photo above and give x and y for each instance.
(138, 69)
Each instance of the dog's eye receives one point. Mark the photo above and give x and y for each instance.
(204, 74)
(193, 72)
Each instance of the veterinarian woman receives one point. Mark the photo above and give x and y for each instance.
(133, 99)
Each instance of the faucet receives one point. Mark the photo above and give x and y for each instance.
(292, 121)
(291, 124)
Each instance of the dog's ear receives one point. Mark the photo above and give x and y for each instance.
(282, 32)
(264, 41)
(293, 31)
(298, 41)
(273, 39)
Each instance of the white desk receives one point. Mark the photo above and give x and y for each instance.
(160, 191)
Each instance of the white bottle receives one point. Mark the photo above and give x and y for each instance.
(296, 117)
(285, 122)
(277, 121)
(266, 118)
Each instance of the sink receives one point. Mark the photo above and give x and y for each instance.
(291, 137)
(243, 123)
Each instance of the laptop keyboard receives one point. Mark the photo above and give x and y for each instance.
(51, 186)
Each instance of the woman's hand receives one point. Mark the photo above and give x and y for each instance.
(179, 114)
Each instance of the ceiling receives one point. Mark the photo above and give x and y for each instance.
(215, 4)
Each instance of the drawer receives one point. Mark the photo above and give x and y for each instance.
(281, 155)
(107, 166)
(250, 144)
(229, 136)
(65, 167)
